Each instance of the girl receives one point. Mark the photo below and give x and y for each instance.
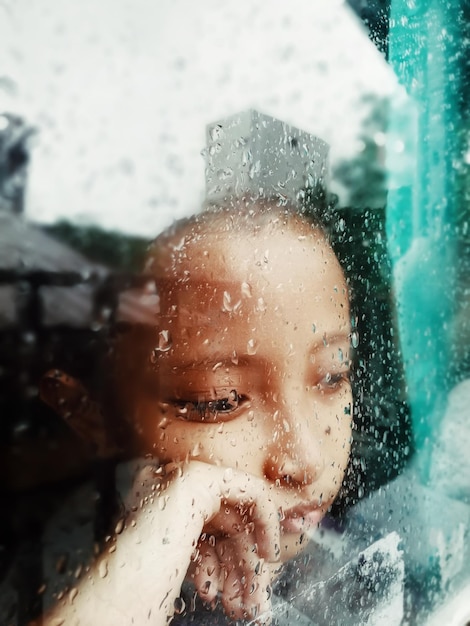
(242, 394)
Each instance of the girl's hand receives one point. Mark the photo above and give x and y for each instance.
(233, 566)
(240, 531)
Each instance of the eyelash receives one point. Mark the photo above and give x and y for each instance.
(219, 409)
(333, 382)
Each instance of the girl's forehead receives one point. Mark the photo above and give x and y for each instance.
(228, 254)
(204, 277)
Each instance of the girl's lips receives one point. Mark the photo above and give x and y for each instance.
(300, 519)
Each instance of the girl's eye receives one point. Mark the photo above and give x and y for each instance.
(209, 410)
(333, 381)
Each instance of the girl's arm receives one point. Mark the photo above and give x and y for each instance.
(139, 579)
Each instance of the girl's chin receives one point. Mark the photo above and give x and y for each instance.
(292, 544)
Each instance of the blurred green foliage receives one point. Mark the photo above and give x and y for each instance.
(113, 249)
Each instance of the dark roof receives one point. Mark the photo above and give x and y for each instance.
(24, 246)
(24, 249)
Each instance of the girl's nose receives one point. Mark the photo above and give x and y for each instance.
(294, 455)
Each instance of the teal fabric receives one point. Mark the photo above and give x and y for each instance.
(426, 144)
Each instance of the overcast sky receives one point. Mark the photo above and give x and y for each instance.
(121, 91)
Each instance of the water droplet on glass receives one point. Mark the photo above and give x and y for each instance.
(196, 451)
(354, 339)
(182, 411)
(227, 302)
(234, 358)
(251, 347)
(254, 169)
(162, 500)
(103, 569)
(215, 149)
(225, 173)
(228, 475)
(163, 423)
(251, 416)
(164, 341)
(179, 605)
(314, 328)
(247, 157)
(340, 355)
(261, 305)
(119, 526)
(216, 132)
(246, 290)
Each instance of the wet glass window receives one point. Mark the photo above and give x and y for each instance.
(234, 312)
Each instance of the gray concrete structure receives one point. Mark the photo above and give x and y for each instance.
(254, 155)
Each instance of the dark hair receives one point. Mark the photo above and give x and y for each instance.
(382, 437)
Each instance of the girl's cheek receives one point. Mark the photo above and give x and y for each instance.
(179, 442)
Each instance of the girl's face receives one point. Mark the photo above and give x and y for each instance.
(251, 364)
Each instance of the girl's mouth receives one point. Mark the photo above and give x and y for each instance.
(301, 519)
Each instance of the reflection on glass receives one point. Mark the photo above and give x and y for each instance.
(290, 375)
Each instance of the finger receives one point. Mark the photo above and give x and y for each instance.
(217, 489)
(261, 518)
(251, 497)
(70, 399)
(246, 591)
(232, 584)
(245, 579)
(205, 570)
(258, 594)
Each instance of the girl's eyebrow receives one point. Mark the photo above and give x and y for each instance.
(213, 362)
(222, 360)
(326, 341)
